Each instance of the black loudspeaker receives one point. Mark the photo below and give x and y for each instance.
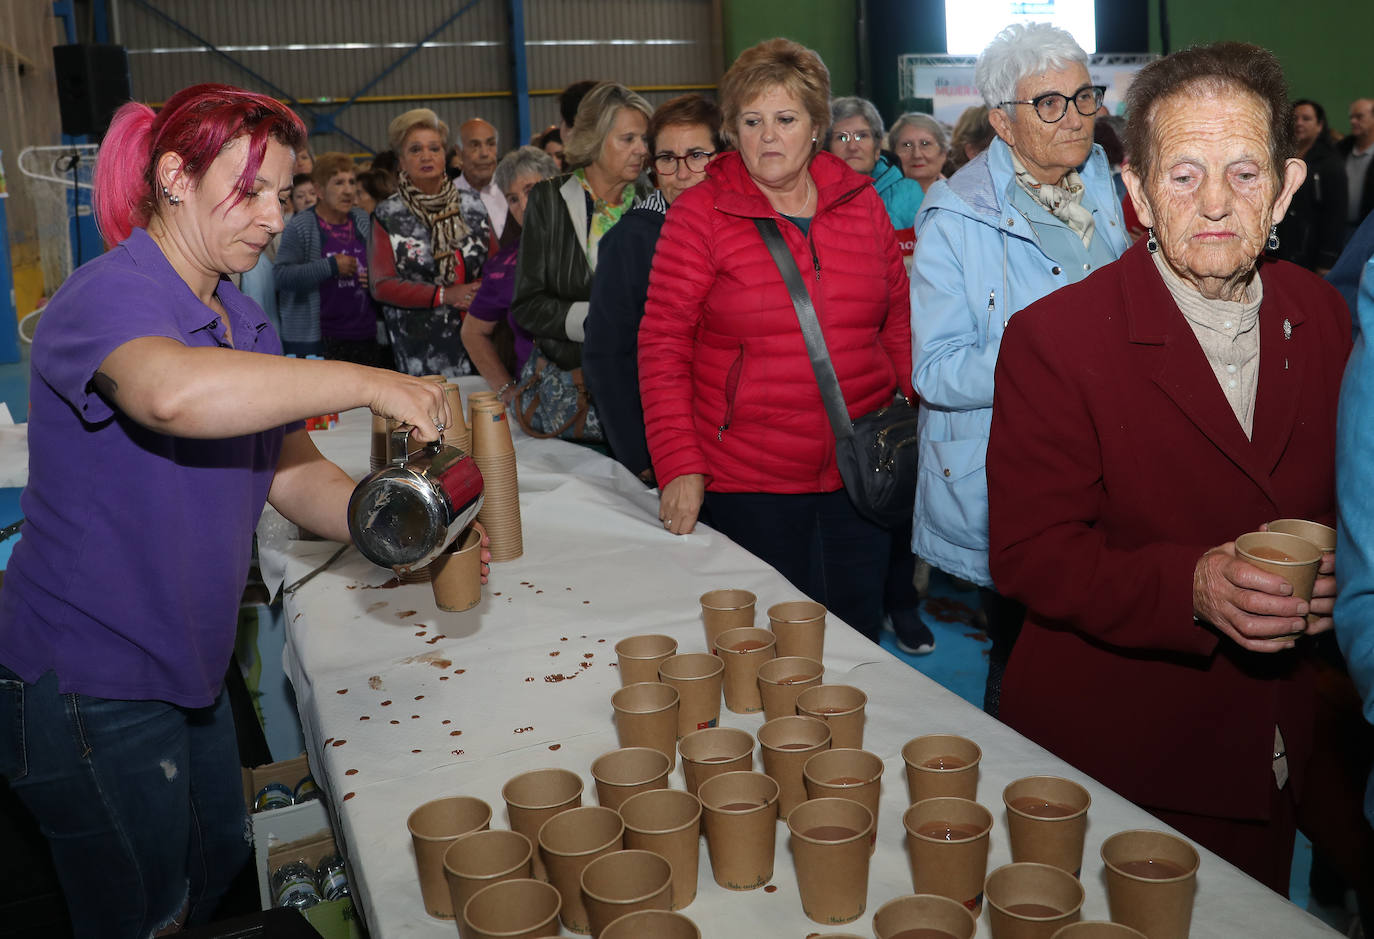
(92, 82)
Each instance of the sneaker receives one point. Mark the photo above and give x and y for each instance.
(913, 636)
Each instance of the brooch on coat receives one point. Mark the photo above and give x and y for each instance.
(1287, 334)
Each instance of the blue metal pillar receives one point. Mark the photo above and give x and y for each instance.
(520, 79)
(9, 322)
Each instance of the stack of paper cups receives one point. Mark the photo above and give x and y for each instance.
(458, 433)
(494, 453)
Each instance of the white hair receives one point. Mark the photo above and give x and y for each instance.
(521, 161)
(1019, 51)
(923, 121)
(842, 109)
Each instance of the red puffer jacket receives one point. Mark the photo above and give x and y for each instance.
(727, 386)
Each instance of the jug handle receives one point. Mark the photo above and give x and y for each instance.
(400, 447)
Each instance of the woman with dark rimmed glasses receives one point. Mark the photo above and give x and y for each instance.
(1032, 213)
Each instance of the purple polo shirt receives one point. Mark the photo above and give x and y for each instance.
(136, 547)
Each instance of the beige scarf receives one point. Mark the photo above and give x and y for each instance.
(440, 213)
(1064, 201)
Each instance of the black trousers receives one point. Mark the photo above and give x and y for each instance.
(818, 542)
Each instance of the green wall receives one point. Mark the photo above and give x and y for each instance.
(824, 25)
(1325, 47)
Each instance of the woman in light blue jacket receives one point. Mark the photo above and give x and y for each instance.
(1032, 213)
(1355, 512)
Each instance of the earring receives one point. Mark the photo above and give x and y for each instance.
(1151, 243)
(1274, 238)
(174, 200)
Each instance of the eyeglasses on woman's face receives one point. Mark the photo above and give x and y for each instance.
(666, 161)
(857, 136)
(1052, 106)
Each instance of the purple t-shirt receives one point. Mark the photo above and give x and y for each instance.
(492, 300)
(346, 309)
(136, 547)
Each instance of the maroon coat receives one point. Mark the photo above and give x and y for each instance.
(727, 385)
(1115, 462)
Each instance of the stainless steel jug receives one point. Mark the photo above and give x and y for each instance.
(403, 515)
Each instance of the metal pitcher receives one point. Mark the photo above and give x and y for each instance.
(404, 515)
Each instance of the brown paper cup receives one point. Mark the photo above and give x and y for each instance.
(569, 842)
(947, 843)
(715, 750)
(800, 628)
(667, 822)
(941, 765)
(923, 911)
(646, 716)
(1159, 906)
(639, 657)
(652, 923)
(840, 706)
(1047, 818)
(625, 882)
(512, 909)
(483, 858)
(1031, 901)
(622, 773)
(726, 609)
(500, 512)
(1094, 929)
(697, 676)
(830, 845)
(741, 813)
(783, 680)
(846, 774)
(458, 434)
(1294, 559)
(788, 742)
(535, 797)
(743, 651)
(490, 429)
(1323, 536)
(434, 827)
(456, 575)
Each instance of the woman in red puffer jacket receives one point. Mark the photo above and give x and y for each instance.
(732, 411)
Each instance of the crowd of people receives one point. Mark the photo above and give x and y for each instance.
(1113, 341)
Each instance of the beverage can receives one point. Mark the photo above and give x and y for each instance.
(274, 795)
(306, 790)
(332, 878)
(293, 885)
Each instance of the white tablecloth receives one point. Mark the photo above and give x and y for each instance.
(402, 703)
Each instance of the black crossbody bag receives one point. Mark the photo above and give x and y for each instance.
(877, 453)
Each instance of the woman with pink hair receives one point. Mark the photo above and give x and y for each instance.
(163, 418)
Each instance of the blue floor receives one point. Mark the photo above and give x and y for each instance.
(14, 392)
(959, 661)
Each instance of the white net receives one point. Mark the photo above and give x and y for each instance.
(52, 175)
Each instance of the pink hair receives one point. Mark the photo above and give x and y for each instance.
(196, 123)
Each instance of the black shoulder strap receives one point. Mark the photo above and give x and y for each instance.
(835, 408)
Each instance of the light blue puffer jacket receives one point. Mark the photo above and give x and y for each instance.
(984, 250)
(1355, 512)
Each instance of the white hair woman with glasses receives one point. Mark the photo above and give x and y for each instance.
(1032, 213)
(922, 146)
(684, 134)
(856, 136)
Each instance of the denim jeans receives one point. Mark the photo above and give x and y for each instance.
(819, 542)
(141, 801)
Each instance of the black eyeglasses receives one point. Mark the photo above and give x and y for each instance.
(1052, 106)
(666, 161)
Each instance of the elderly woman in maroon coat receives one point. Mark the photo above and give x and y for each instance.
(1143, 419)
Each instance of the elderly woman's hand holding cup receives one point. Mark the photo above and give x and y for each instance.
(1253, 607)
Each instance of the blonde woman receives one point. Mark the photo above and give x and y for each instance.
(429, 243)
